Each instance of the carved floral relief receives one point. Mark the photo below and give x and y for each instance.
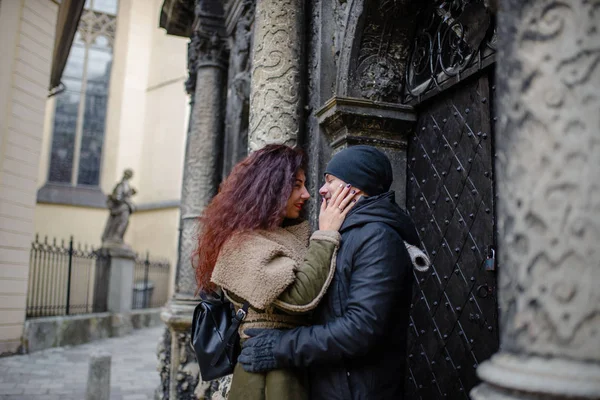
(549, 194)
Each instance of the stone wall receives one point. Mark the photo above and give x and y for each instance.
(27, 31)
(48, 332)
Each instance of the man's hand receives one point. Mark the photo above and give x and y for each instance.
(257, 351)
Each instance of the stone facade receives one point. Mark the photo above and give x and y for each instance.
(329, 74)
(27, 31)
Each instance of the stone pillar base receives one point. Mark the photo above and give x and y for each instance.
(512, 377)
(183, 374)
(179, 370)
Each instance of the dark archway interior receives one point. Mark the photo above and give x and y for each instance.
(438, 56)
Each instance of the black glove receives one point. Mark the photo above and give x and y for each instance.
(257, 351)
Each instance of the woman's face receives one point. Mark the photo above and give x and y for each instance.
(297, 198)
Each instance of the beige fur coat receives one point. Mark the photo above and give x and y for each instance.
(258, 266)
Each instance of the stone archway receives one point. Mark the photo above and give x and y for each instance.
(375, 49)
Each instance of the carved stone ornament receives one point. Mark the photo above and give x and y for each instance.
(379, 78)
(240, 52)
(183, 373)
(348, 121)
(549, 194)
(238, 98)
(384, 49)
(275, 94)
(548, 148)
(180, 375)
(204, 49)
(163, 353)
(187, 370)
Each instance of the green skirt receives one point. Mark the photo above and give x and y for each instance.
(279, 384)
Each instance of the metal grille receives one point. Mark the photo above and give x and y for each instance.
(453, 39)
(450, 197)
(61, 279)
(150, 282)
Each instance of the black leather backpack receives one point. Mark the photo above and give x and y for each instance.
(215, 338)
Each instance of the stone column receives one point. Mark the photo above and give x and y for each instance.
(275, 91)
(351, 121)
(206, 84)
(548, 158)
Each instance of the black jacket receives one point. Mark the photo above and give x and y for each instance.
(356, 348)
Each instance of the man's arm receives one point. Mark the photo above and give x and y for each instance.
(380, 266)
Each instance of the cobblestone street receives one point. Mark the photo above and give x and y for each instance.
(61, 373)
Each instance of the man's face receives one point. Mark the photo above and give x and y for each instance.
(332, 183)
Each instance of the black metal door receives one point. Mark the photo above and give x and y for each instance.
(454, 324)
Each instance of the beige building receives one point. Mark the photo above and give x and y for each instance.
(123, 106)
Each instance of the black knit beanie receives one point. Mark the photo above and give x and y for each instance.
(364, 167)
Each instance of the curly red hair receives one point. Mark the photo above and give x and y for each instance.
(254, 196)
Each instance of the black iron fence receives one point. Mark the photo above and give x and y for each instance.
(150, 282)
(61, 278)
(66, 278)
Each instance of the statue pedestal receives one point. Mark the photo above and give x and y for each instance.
(118, 265)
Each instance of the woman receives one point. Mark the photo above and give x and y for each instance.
(253, 246)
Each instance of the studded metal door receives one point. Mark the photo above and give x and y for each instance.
(451, 199)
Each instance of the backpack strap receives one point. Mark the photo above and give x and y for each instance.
(237, 319)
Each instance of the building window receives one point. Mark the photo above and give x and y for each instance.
(80, 114)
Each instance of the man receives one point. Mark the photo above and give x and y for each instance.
(356, 348)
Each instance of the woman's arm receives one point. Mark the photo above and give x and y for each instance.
(313, 276)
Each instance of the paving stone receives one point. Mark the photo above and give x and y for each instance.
(13, 391)
(35, 390)
(53, 397)
(136, 397)
(22, 397)
(61, 373)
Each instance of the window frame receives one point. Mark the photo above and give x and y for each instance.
(88, 37)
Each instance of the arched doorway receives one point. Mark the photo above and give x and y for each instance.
(438, 58)
(450, 195)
